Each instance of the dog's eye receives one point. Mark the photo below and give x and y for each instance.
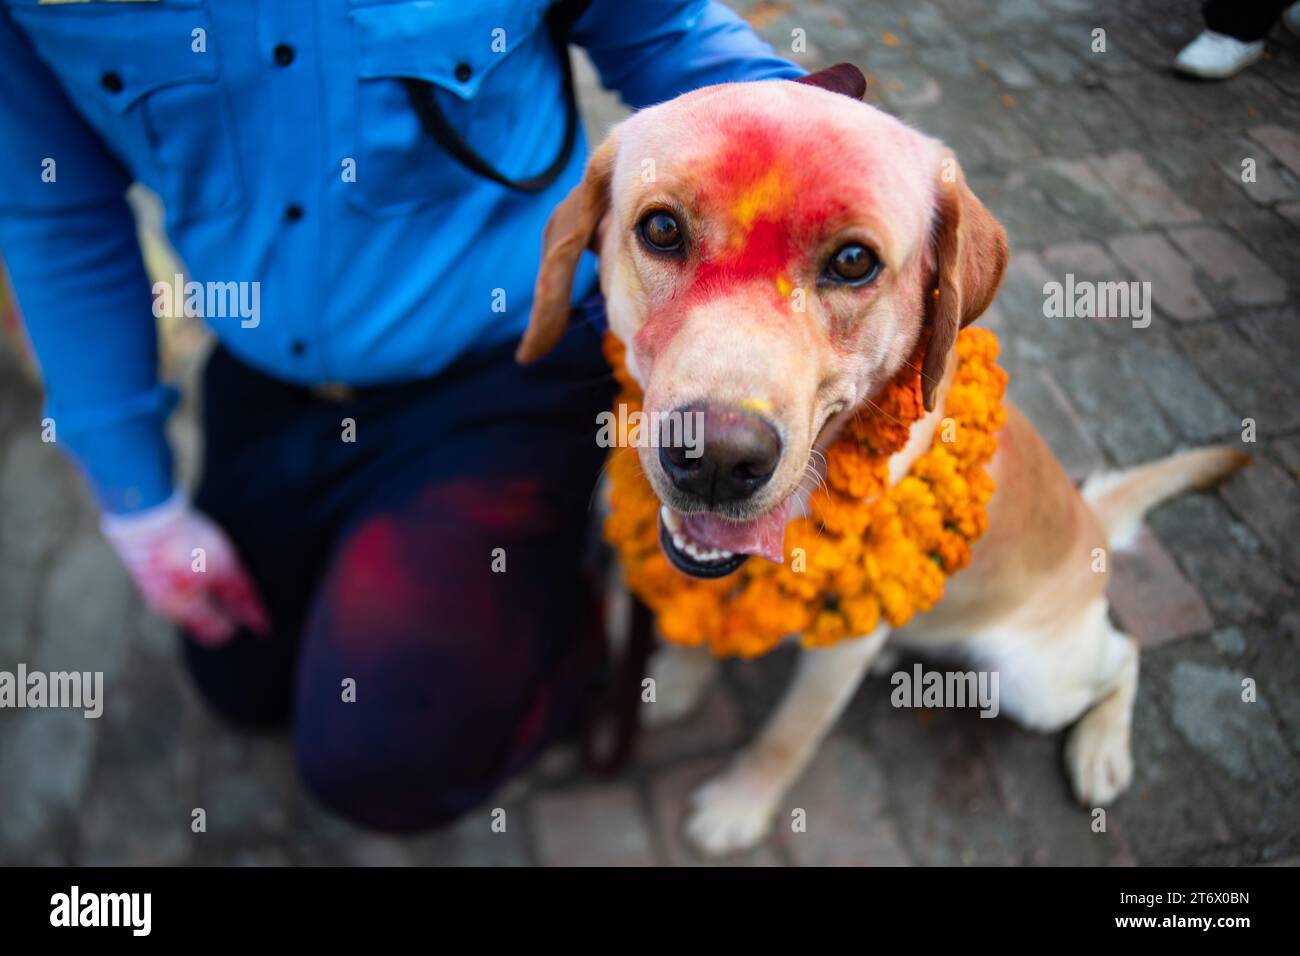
(660, 231)
(853, 264)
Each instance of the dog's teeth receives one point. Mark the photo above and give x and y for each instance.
(671, 521)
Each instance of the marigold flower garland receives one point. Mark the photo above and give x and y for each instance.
(864, 551)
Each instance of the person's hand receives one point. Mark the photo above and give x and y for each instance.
(187, 570)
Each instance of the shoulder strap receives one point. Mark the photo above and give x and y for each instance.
(559, 22)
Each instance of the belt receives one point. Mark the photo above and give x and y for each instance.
(337, 393)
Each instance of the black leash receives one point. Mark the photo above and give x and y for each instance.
(559, 22)
(610, 733)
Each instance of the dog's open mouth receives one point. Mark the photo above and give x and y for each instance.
(706, 545)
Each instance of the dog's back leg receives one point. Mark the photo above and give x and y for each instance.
(1098, 754)
(1081, 671)
(734, 811)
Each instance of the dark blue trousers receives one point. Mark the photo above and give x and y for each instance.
(1247, 20)
(436, 563)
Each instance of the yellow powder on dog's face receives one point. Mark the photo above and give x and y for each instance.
(765, 197)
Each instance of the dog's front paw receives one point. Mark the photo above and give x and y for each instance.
(730, 813)
(1098, 759)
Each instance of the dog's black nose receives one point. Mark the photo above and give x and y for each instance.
(733, 454)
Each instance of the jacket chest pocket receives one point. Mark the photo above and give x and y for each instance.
(478, 59)
(147, 77)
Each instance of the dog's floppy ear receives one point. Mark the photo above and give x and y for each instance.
(571, 229)
(970, 258)
(841, 78)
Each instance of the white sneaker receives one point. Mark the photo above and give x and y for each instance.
(1213, 56)
(1291, 18)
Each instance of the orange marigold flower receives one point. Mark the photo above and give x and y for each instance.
(839, 514)
(828, 628)
(862, 613)
(850, 468)
(865, 551)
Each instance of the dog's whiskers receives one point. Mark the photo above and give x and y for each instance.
(896, 421)
(604, 469)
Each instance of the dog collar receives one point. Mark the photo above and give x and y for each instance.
(866, 550)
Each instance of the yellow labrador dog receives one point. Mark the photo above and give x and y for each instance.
(707, 212)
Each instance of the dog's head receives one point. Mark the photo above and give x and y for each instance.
(770, 253)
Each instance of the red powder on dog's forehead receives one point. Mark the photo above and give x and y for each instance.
(762, 202)
(765, 194)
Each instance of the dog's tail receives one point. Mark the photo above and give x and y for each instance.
(1121, 498)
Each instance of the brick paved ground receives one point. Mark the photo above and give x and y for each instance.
(1101, 165)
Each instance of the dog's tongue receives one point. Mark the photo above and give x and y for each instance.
(764, 536)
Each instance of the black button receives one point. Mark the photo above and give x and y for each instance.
(293, 212)
(463, 72)
(298, 347)
(111, 81)
(283, 54)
